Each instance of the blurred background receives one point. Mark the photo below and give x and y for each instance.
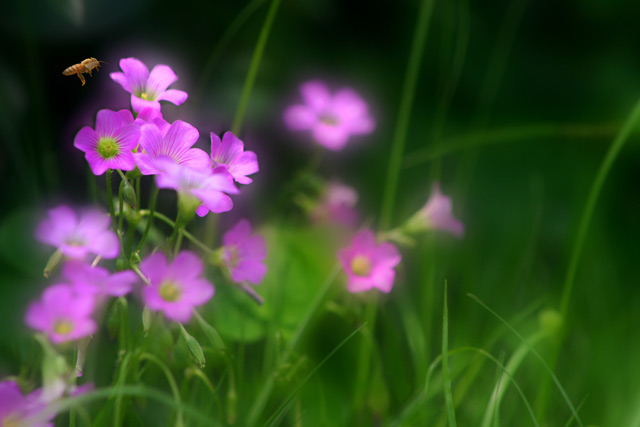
(516, 105)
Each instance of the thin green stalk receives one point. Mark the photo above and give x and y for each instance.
(122, 378)
(366, 348)
(267, 385)
(152, 208)
(172, 384)
(188, 235)
(253, 68)
(585, 221)
(448, 396)
(176, 248)
(404, 112)
(112, 210)
(177, 225)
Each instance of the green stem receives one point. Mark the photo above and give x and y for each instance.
(172, 384)
(152, 208)
(404, 112)
(614, 150)
(188, 235)
(253, 68)
(112, 210)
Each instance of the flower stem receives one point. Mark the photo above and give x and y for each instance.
(110, 199)
(253, 68)
(152, 208)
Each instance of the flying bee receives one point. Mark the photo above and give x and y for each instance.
(84, 67)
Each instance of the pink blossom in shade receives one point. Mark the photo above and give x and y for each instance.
(109, 146)
(436, 214)
(337, 205)
(19, 410)
(62, 314)
(174, 143)
(77, 236)
(332, 119)
(148, 89)
(97, 281)
(369, 264)
(229, 153)
(207, 186)
(244, 254)
(176, 288)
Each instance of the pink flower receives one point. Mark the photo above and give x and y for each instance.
(78, 237)
(175, 288)
(19, 410)
(244, 254)
(229, 153)
(62, 314)
(331, 119)
(337, 205)
(97, 281)
(205, 187)
(150, 115)
(369, 265)
(148, 89)
(109, 145)
(174, 143)
(436, 214)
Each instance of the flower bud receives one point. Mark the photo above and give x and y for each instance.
(194, 347)
(53, 263)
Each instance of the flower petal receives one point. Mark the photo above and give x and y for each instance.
(185, 266)
(174, 96)
(300, 117)
(136, 72)
(161, 77)
(316, 95)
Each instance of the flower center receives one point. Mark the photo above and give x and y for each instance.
(329, 119)
(75, 241)
(170, 291)
(232, 256)
(12, 420)
(108, 148)
(144, 96)
(360, 265)
(63, 327)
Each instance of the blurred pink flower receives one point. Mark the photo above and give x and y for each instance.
(109, 145)
(175, 288)
(78, 237)
(368, 264)
(337, 205)
(97, 281)
(206, 187)
(148, 89)
(174, 143)
(18, 410)
(332, 119)
(244, 254)
(436, 214)
(62, 314)
(229, 153)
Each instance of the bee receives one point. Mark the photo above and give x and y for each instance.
(84, 67)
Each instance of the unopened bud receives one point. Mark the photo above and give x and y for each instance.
(147, 320)
(129, 193)
(53, 263)
(194, 347)
(122, 264)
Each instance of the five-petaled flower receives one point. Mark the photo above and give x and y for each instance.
(175, 288)
(62, 314)
(174, 142)
(435, 214)
(336, 205)
(109, 145)
(368, 264)
(244, 254)
(98, 281)
(76, 236)
(148, 89)
(332, 119)
(229, 153)
(204, 189)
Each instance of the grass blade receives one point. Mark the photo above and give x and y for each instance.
(448, 396)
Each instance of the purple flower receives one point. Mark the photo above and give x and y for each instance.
(337, 205)
(331, 119)
(175, 288)
(205, 187)
(152, 116)
(369, 265)
(78, 237)
(436, 214)
(244, 254)
(62, 314)
(229, 153)
(96, 281)
(18, 410)
(109, 145)
(174, 143)
(148, 89)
